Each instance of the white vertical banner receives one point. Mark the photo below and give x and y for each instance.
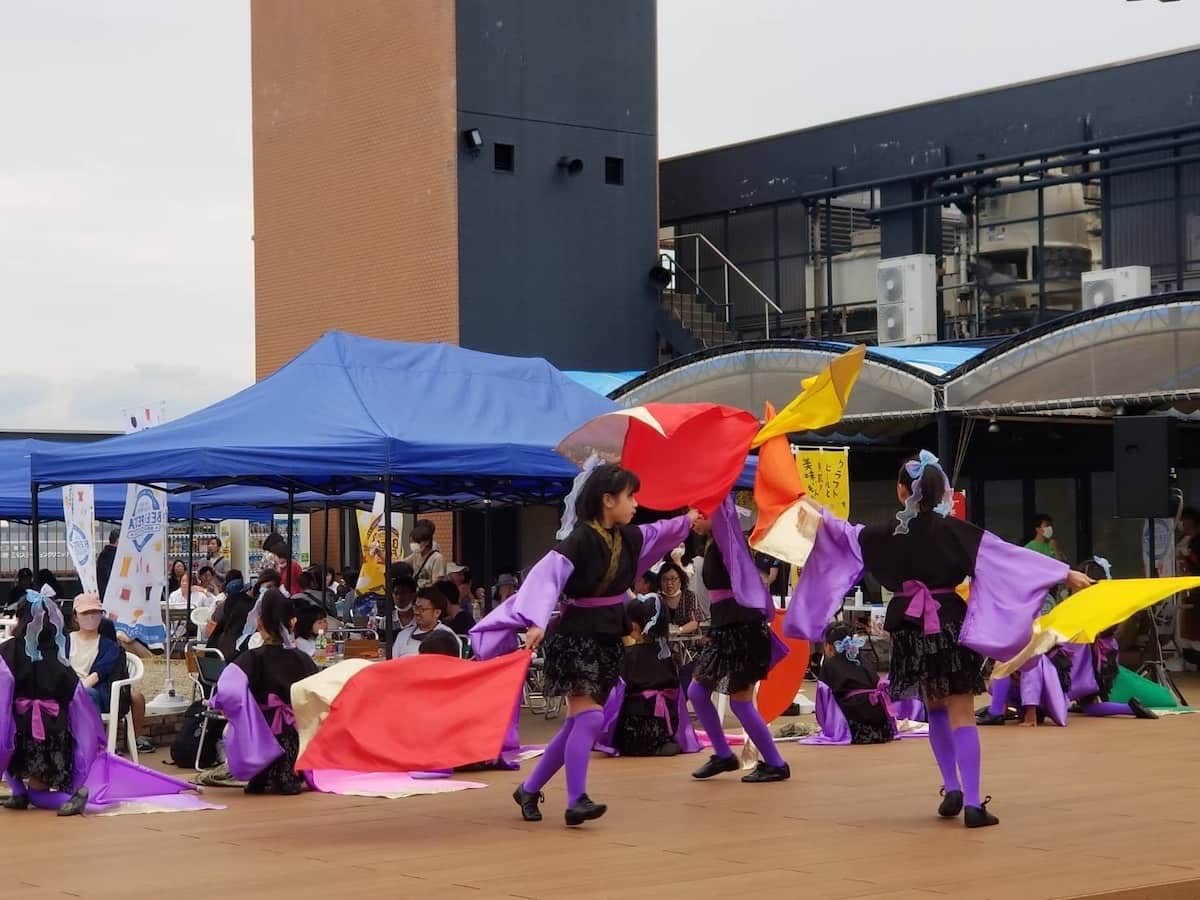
(79, 512)
(133, 598)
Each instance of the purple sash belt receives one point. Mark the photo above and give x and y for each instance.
(36, 708)
(719, 595)
(877, 697)
(922, 604)
(598, 602)
(660, 698)
(278, 713)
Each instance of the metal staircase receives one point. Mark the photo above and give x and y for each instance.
(697, 308)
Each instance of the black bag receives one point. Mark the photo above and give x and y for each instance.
(183, 748)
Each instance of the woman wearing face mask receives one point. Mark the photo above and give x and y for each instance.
(94, 657)
(681, 611)
(1044, 542)
(427, 562)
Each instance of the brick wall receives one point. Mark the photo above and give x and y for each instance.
(355, 147)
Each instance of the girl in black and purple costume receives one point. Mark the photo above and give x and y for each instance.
(593, 568)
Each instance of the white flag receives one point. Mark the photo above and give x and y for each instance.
(79, 512)
(141, 419)
(133, 598)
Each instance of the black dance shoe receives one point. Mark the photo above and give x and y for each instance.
(717, 765)
(764, 772)
(670, 748)
(986, 718)
(978, 816)
(16, 801)
(528, 801)
(75, 805)
(952, 804)
(584, 810)
(1140, 710)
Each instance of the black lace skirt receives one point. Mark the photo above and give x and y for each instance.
(870, 733)
(933, 666)
(582, 666)
(280, 776)
(643, 735)
(51, 761)
(735, 658)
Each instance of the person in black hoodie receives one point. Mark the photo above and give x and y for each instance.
(104, 561)
(231, 616)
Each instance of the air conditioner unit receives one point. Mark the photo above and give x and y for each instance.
(907, 300)
(1106, 286)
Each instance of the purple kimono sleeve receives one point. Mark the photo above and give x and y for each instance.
(1007, 589)
(748, 588)
(8, 724)
(1083, 671)
(606, 740)
(496, 633)
(660, 538)
(249, 744)
(833, 568)
(834, 727)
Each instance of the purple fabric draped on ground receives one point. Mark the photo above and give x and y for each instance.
(685, 734)
(836, 730)
(109, 779)
(1008, 587)
(1039, 686)
(1083, 673)
(249, 744)
(833, 568)
(744, 579)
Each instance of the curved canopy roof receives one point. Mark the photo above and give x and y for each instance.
(1142, 351)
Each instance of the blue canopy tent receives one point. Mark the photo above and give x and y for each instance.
(358, 414)
(16, 504)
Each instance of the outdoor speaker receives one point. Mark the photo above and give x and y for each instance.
(1144, 450)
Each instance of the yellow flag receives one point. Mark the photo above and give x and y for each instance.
(1081, 617)
(821, 401)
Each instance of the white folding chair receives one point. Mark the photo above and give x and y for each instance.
(112, 719)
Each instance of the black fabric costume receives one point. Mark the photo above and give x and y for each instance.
(273, 669)
(738, 652)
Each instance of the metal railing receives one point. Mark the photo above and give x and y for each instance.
(699, 242)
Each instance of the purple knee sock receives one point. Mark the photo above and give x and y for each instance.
(707, 714)
(941, 741)
(1107, 709)
(758, 732)
(1001, 688)
(966, 751)
(579, 751)
(551, 760)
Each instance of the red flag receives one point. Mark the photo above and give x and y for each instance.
(698, 461)
(418, 713)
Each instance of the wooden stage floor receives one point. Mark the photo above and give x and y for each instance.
(1104, 808)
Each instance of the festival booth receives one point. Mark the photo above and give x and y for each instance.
(425, 424)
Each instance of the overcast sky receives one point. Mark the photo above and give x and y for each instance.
(126, 267)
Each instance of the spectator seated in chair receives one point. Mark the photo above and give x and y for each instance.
(429, 609)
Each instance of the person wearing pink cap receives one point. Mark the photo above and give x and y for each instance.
(94, 657)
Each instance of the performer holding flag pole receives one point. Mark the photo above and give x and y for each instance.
(938, 641)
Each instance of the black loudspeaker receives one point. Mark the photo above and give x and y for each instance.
(1144, 452)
